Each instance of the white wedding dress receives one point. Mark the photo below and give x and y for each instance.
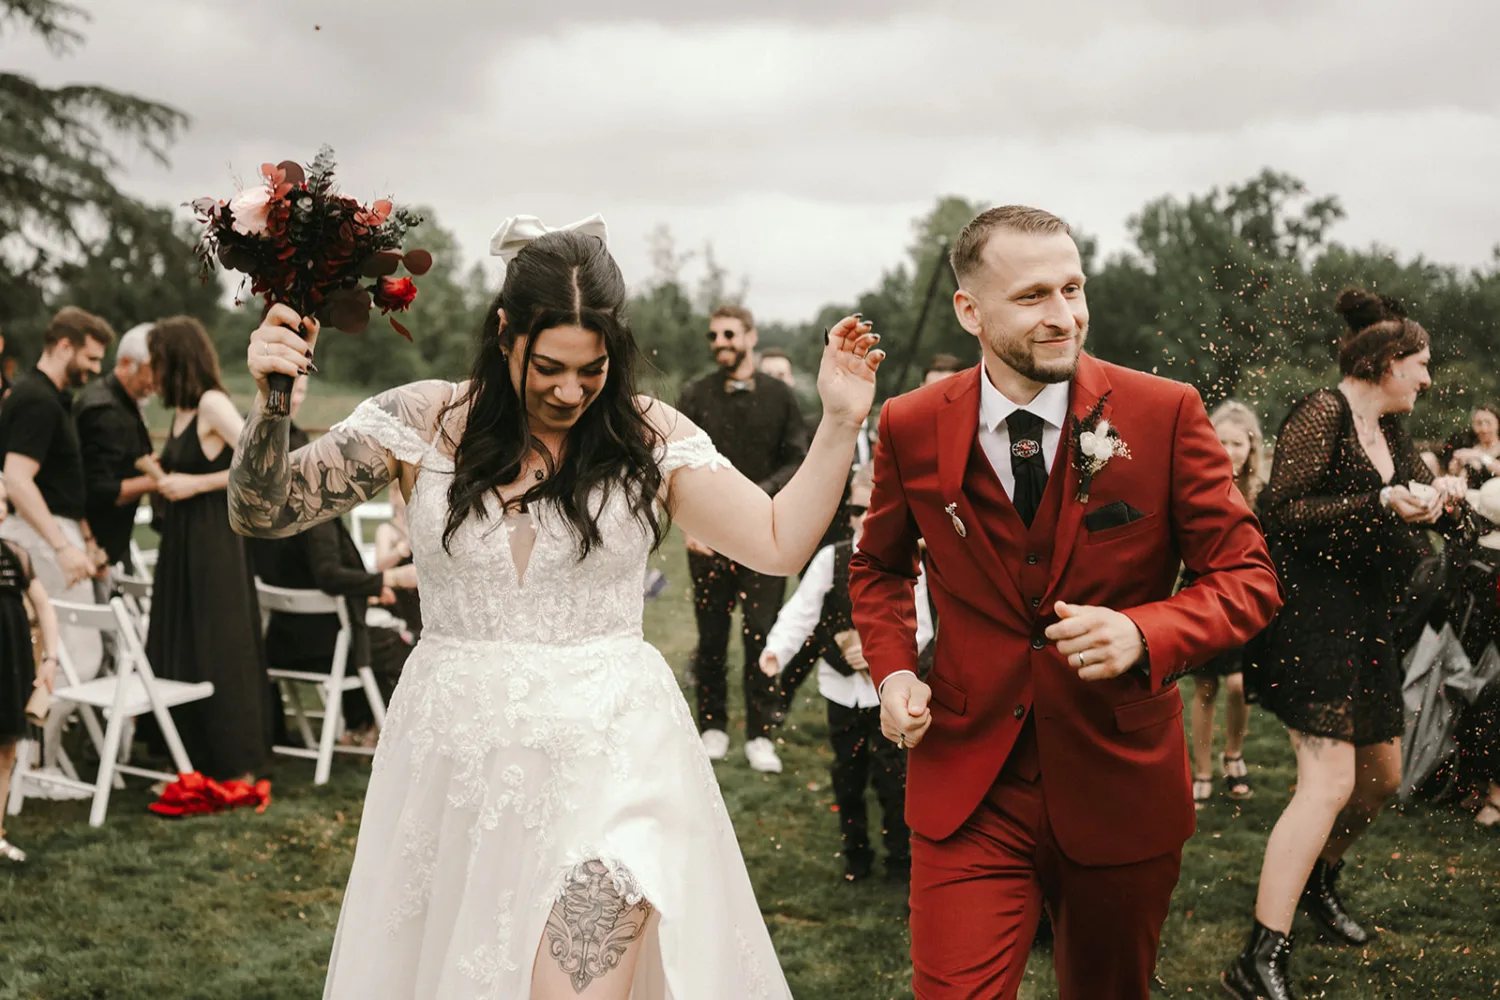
(534, 730)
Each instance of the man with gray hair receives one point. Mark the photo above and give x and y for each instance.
(112, 434)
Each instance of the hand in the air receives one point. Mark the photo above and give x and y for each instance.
(904, 711)
(1097, 642)
(277, 346)
(846, 377)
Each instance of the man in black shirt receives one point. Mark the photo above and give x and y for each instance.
(43, 469)
(754, 422)
(112, 434)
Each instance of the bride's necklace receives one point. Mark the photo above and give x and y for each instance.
(540, 475)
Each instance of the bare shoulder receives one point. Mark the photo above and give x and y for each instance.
(668, 422)
(216, 402)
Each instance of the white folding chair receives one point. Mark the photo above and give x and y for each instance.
(330, 686)
(368, 515)
(135, 593)
(133, 690)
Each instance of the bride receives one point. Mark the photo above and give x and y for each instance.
(541, 819)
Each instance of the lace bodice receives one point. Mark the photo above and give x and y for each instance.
(475, 592)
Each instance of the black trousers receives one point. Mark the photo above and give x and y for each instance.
(862, 756)
(718, 585)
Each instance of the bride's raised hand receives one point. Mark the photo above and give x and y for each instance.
(283, 343)
(846, 377)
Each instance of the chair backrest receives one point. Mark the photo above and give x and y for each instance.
(362, 522)
(288, 601)
(113, 618)
(133, 586)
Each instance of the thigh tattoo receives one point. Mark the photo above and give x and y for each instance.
(592, 925)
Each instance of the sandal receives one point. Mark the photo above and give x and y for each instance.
(11, 851)
(1237, 777)
(1203, 790)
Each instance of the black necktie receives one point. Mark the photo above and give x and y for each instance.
(1027, 462)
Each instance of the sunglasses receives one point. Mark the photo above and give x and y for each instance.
(714, 336)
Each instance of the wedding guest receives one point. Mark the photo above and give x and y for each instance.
(775, 363)
(754, 422)
(1474, 453)
(1346, 530)
(205, 619)
(817, 622)
(324, 557)
(44, 472)
(940, 367)
(1239, 433)
(112, 436)
(21, 676)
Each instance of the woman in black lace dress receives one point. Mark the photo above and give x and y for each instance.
(1346, 513)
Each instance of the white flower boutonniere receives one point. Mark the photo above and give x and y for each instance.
(1095, 443)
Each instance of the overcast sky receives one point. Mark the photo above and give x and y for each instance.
(802, 137)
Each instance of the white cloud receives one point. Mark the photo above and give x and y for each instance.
(802, 138)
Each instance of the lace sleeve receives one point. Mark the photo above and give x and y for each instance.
(275, 492)
(694, 451)
(380, 425)
(1304, 450)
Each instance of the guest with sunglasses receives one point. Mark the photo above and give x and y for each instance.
(753, 420)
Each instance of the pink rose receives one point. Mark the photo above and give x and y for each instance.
(249, 209)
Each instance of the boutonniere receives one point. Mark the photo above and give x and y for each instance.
(1095, 442)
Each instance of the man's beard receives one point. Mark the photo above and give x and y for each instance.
(77, 377)
(733, 363)
(1018, 356)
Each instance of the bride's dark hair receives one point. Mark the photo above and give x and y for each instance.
(560, 279)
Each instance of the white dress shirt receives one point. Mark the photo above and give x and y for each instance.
(799, 617)
(1051, 404)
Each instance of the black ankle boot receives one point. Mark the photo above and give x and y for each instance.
(1320, 900)
(1259, 971)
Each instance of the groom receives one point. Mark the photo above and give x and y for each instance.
(1057, 496)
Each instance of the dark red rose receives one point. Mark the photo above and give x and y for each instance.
(395, 294)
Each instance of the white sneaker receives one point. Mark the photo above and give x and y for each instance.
(716, 742)
(761, 753)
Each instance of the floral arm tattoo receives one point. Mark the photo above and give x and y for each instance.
(275, 493)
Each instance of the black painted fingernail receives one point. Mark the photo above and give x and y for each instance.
(825, 336)
(309, 354)
(311, 368)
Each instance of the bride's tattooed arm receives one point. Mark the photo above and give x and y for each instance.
(274, 492)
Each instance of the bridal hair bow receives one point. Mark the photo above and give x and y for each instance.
(518, 230)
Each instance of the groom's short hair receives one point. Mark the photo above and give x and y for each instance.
(966, 256)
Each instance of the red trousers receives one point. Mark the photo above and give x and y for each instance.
(976, 898)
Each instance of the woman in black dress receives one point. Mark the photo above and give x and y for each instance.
(205, 619)
(1474, 453)
(19, 674)
(1345, 511)
(1239, 432)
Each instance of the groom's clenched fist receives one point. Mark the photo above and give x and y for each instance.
(904, 715)
(1097, 642)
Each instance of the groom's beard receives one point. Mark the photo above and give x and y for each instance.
(1019, 355)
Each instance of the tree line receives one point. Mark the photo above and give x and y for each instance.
(1231, 290)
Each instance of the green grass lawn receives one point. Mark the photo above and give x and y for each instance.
(244, 906)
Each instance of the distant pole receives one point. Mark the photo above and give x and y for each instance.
(916, 333)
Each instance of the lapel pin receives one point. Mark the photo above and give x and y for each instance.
(958, 525)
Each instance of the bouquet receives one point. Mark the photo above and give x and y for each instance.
(299, 242)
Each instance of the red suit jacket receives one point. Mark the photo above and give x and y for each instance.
(1113, 754)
